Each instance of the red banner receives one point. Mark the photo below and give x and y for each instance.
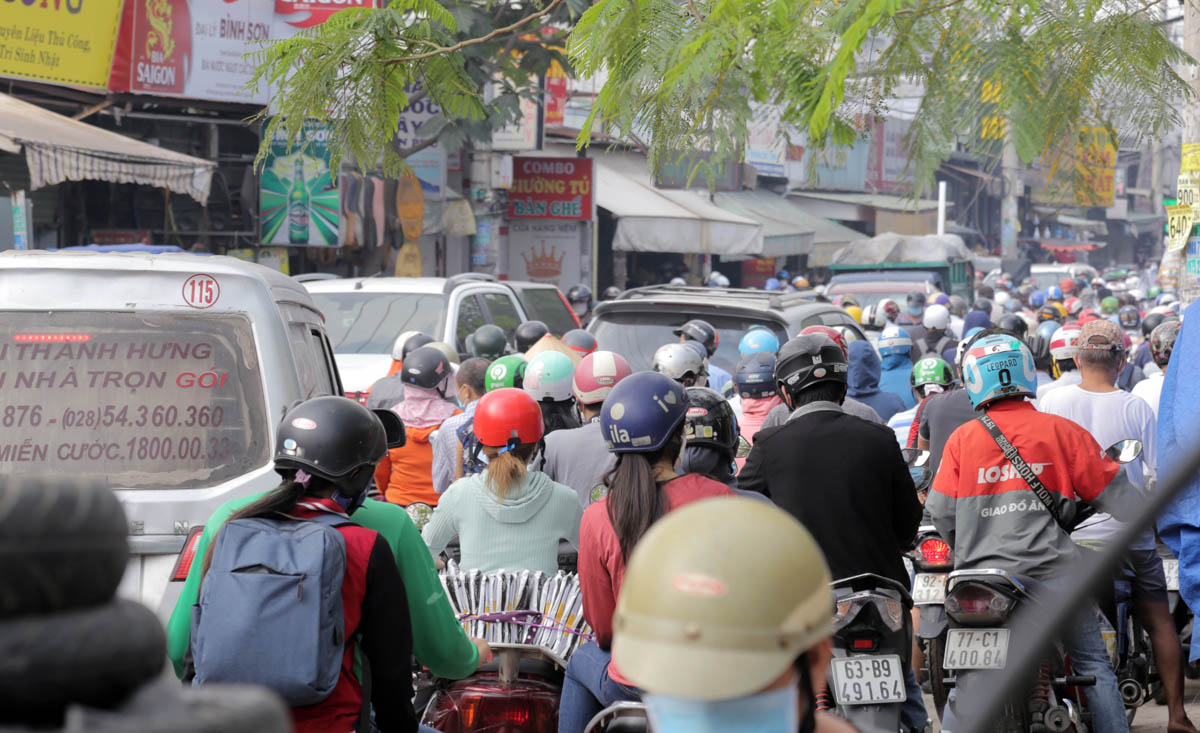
(551, 188)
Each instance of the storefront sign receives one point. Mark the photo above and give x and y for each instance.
(198, 49)
(522, 134)
(556, 96)
(120, 236)
(59, 41)
(481, 242)
(1179, 225)
(551, 188)
(887, 169)
(20, 222)
(765, 149)
(1095, 167)
(299, 195)
(675, 171)
(428, 163)
(757, 270)
(839, 167)
(545, 252)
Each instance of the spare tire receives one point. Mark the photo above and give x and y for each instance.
(96, 657)
(207, 709)
(62, 545)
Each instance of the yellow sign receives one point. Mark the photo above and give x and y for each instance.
(1179, 225)
(1095, 167)
(1190, 161)
(60, 41)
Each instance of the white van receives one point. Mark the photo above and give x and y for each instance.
(160, 376)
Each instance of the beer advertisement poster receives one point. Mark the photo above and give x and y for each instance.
(298, 192)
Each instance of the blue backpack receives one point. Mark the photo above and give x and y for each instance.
(270, 609)
(473, 459)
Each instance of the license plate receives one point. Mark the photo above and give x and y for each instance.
(868, 680)
(1171, 570)
(976, 649)
(929, 588)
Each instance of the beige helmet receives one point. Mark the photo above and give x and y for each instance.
(704, 615)
(447, 350)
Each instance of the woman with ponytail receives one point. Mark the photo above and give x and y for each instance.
(643, 423)
(507, 517)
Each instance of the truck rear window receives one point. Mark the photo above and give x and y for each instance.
(369, 322)
(547, 305)
(636, 336)
(131, 400)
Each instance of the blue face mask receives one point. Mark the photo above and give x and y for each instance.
(775, 711)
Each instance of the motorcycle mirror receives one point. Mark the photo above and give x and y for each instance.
(393, 428)
(915, 458)
(1124, 451)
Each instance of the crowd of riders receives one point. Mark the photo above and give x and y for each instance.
(710, 505)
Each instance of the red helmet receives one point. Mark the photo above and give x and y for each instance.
(508, 417)
(890, 308)
(837, 336)
(1067, 285)
(596, 375)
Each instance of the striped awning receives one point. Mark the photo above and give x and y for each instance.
(58, 149)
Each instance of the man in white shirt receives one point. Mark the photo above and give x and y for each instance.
(1162, 342)
(1062, 354)
(1112, 415)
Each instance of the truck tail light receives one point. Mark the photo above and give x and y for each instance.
(187, 555)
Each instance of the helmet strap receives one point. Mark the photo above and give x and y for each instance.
(509, 446)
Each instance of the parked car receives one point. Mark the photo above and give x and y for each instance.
(365, 315)
(161, 377)
(640, 320)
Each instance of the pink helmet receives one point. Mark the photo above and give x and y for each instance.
(596, 375)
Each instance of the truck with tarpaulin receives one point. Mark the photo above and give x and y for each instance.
(893, 265)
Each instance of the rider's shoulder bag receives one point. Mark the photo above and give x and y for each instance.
(1023, 470)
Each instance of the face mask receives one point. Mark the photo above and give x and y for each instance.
(579, 308)
(767, 712)
(354, 493)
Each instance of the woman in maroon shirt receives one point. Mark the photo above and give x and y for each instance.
(642, 423)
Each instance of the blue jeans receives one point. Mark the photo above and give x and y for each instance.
(587, 689)
(913, 715)
(1089, 657)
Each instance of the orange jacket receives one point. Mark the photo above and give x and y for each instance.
(405, 475)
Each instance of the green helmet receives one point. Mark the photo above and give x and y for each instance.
(931, 370)
(507, 371)
(692, 623)
(550, 377)
(488, 342)
(1109, 305)
(1153, 292)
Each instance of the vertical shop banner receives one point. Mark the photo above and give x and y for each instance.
(555, 96)
(887, 168)
(429, 164)
(521, 135)
(545, 252)
(1095, 167)
(765, 149)
(551, 188)
(20, 221)
(839, 167)
(197, 48)
(299, 194)
(59, 41)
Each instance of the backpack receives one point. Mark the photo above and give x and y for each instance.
(270, 608)
(473, 459)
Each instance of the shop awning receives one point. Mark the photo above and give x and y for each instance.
(658, 220)
(58, 149)
(787, 229)
(882, 201)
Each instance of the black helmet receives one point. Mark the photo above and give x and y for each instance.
(702, 331)
(580, 294)
(612, 292)
(529, 333)
(1013, 323)
(415, 342)
(1150, 322)
(982, 304)
(1162, 341)
(754, 376)
(332, 437)
(916, 299)
(710, 421)
(488, 342)
(427, 367)
(808, 360)
(1129, 317)
(1048, 313)
(580, 341)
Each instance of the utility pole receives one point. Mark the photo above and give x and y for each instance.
(1010, 220)
(1188, 290)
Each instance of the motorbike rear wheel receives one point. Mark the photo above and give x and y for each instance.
(935, 650)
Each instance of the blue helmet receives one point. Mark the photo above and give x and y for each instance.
(773, 284)
(756, 340)
(1038, 299)
(1054, 293)
(997, 367)
(1012, 306)
(642, 412)
(894, 340)
(754, 376)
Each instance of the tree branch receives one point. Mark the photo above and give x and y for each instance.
(418, 147)
(443, 50)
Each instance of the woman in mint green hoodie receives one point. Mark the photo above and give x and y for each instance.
(508, 517)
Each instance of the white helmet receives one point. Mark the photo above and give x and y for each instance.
(1064, 343)
(549, 377)
(682, 363)
(678, 281)
(716, 279)
(1001, 298)
(937, 318)
(398, 345)
(868, 316)
(893, 340)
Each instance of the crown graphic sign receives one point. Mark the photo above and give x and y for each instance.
(543, 265)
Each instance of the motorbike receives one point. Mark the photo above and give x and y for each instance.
(870, 648)
(621, 717)
(517, 693)
(933, 560)
(979, 604)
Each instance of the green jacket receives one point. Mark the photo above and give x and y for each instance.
(438, 640)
